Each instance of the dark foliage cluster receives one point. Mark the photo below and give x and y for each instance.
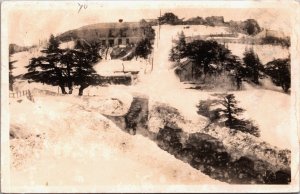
(169, 18)
(211, 58)
(208, 57)
(252, 68)
(65, 67)
(284, 42)
(280, 72)
(249, 27)
(143, 48)
(209, 155)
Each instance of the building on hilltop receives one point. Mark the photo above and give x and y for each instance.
(110, 34)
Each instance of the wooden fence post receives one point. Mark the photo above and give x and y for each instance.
(152, 65)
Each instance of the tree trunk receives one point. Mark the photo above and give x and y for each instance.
(285, 88)
(238, 82)
(82, 87)
(255, 77)
(62, 87)
(229, 121)
(70, 86)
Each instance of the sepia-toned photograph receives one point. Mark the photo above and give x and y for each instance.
(144, 96)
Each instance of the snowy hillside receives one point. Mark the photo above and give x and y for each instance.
(86, 149)
(69, 137)
(22, 59)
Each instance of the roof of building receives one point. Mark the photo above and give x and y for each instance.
(112, 25)
(183, 62)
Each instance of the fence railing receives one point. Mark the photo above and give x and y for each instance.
(22, 93)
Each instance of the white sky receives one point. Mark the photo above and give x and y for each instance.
(30, 21)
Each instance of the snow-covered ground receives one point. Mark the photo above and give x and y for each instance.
(272, 112)
(87, 149)
(266, 53)
(82, 147)
(22, 60)
(162, 85)
(110, 67)
(194, 30)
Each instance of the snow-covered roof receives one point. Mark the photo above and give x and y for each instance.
(67, 45)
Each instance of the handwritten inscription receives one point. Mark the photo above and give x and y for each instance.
(84, 6)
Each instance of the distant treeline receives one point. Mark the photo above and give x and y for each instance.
(230, 38)
(249, 26)
(285, 42)
(14, 48)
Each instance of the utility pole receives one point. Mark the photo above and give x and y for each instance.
(159, 25)
(158, 28)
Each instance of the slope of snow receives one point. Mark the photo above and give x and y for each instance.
(272, 112)
(162, 85)
(67, 45)
(194, 30)
(67, 136)
(87, 149)
(22, 59)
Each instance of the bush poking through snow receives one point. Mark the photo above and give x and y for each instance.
(209, 155)
(224, 154)
(170, 139)
(279, 177)
(204, 110)
(280, 72)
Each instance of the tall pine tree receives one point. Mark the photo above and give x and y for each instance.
(253, 66)
(48, 68)
(65, 67)
(228, 113)
(231, 112)
(179, 51)
(83, 73)
(209, 56)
